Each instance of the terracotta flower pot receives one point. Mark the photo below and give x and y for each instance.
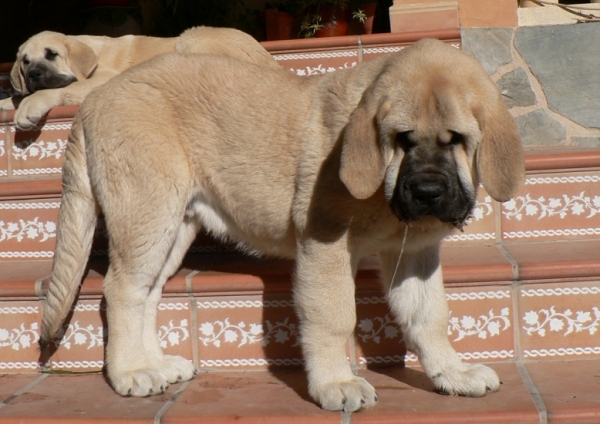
(335, 22)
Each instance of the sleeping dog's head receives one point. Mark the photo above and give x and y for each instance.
(51, 60)
(431, 127)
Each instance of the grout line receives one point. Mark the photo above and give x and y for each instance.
(23, 390)
(360, 50)
(170, 402)
(516, 323)
(515, 264)
(535, 395)
(194, 332)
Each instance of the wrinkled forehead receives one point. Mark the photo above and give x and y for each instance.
(38, 45)
(431, 104)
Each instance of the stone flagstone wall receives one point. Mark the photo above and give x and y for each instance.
(549, 77)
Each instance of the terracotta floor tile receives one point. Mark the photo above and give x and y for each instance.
(406, 396)
(570, 390)
(17, 278)
(12, 383)
(474, 263)
(556, 260)
(251, 397)
(59, 398)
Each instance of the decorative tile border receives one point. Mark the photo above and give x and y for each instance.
(559, 321)
(28, 229)
(479, 328)
(19, 333)
(549, 207)
(39, 151)
(248, 332)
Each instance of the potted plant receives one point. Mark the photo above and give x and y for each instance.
(327, 18)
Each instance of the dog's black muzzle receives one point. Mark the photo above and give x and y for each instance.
(41, 76)
(426, 190)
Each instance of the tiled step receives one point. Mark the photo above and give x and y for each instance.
(535, 392)
(522, 285)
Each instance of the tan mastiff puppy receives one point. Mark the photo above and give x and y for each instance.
(325, 170)
(54, 69)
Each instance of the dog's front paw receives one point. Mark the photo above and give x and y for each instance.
(139, 383)
(177, 368)
(473, 380)
(30, 112)
(347, 396)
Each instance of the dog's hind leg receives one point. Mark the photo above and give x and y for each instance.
(175, 368)
(144, 229)
(418, 300)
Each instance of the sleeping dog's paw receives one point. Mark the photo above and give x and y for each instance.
(473, 380)
(347, 396)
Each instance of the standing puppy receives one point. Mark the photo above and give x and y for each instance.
(325, 170)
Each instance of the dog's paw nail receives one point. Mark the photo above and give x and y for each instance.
(344, 402)
(376, 398)
(487, 389)
(362, 402)
(129, 393)
(151, 392)
(179, 378)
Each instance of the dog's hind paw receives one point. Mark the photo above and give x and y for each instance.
(347, 396)
(473, 380)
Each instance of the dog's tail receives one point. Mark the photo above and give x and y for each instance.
(76, 224)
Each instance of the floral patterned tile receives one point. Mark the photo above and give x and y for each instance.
(479, 327)
(4, 129)
(554, 207)
(481, 227)
(19, 333)
(560, 321)
(28, 229)
(247, 332)
(81, 346)
(39, 152)
(309, 63)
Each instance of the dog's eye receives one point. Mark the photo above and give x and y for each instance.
(26, 60)
(51, 54)
(456, 139)
(403, 140)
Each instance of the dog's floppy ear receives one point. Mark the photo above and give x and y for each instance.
(500, 160)
(363, 163)
(82, 58)
(17, 79)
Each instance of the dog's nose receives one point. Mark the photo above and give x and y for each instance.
(34, 74)
(427, 190)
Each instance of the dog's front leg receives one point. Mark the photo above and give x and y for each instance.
(418, 301)
(324, 297)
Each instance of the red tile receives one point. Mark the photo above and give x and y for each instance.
(12, 383)
(248, 332)
(463, 264)
(251, 397)
(556, 260)
(39, 152)
(83, 398)
(406, 396)
(560, 321)
(481, 227)
(28, 229)
(554, 207)
(307, 63)
(18, 278)
(19, 333)
(569, 390)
